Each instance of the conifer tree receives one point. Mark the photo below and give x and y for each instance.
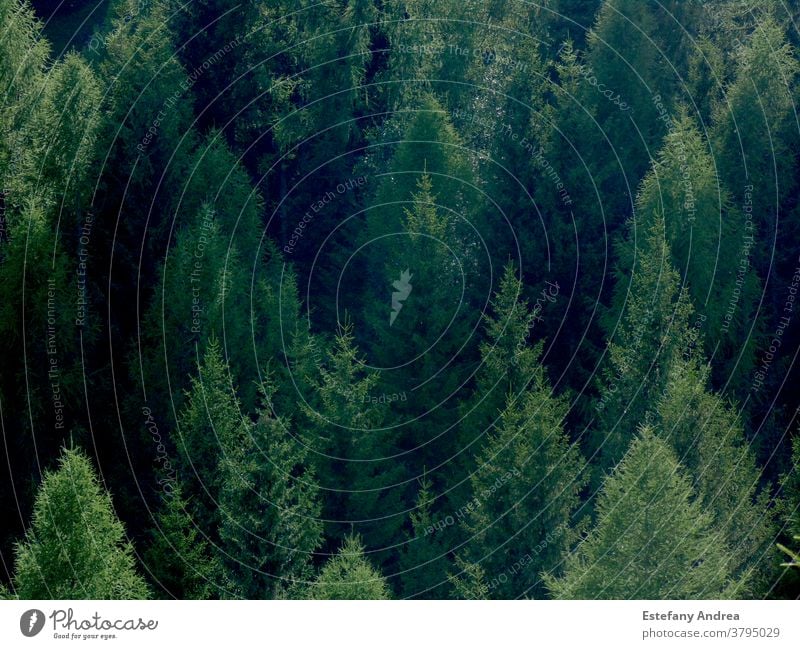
(636, 50)
(652, 327)
(76, 546)
(37, 317)
(525, 490)
(711, 244)
(337, 55)
(755, 130)
(470, 583)
(790, 488)
(708, 437)
(509, 359)
(573, 210)
(428, 143)
(564, 20)
(270, 512)
(425, 560)
(349, 575)
(207, 287)
(652, 539)
(210, 427)
(24, 54)
(59, 135)
(147, 136)
(355, 455)
(178, 554)
(436, 260)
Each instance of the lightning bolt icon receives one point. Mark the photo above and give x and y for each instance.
(32, 621)
(402, 291)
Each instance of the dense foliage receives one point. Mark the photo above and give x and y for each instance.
(372, 299)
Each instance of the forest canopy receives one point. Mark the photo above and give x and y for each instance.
(389, 299)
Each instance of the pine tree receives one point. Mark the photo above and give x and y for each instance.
(149, 107)
(23, 56)
(178, 554)
(636, 50)
(210, 428)
(525, 490)
(708, 437)
(572, 198)
(755, 131)
(470, 583)
(432, 265)
(509, 359)
(650, 323)
(76, 546)
(428, 144)
(652, 539)
(348, 575)
(270, 513)
(790, 489)
(208, 287)
(355, 456)
(59, 135)
(425, 560)
(711, 244)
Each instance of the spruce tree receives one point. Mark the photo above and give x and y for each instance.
(178, 554)
(269, 511)
(790, 490)
(349, 575)
(636, 50)
(427, 143)
(711, 243)
(76, 546)
(355, 455)
(425, 559)
(509, 358)
(708, 436)
(652, 540)
(649, 326)
(525, 490)
(573, 209)
(209, 286)
(210, 428)
(755, 131)
(470, 583)
(424, 348)
(147, 135)
(24, 54)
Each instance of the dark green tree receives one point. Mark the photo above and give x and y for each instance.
(509, 358)
(210, 428)
(649, 327)
(470, 583)
(425, 561)
(355, 454)
(270, 512)
(708, 437)
(525, 490)
(711, 243)
(178, 554)
(755, 131)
